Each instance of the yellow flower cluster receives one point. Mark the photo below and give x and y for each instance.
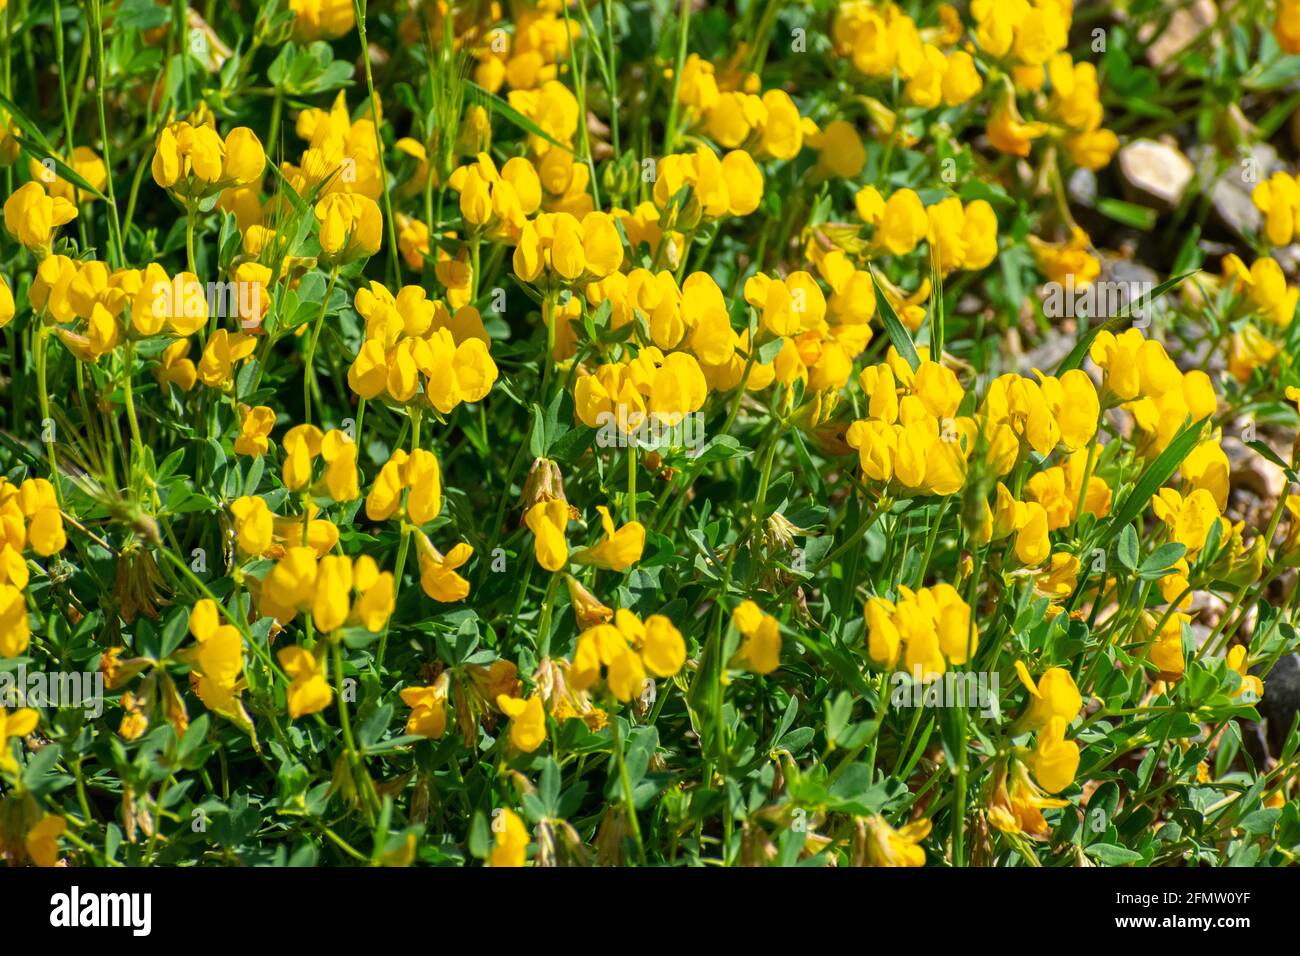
(925, 631)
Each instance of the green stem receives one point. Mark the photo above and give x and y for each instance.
(670, 128)
(631, 483)
(353, 755)
(625, 785)
(359, 7)
(544, 619)
(309, 371)
(42, 390)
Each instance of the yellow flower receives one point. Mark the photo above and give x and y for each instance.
(339, 452)
(1032, 545)
(527, 721)
(1188, 519)
(6, 303)
(289, 587)
(303, 444)
(760, 651)
(627, 649)
(1007, 130)
(322, 19)
(547, 521)
(1019, 808)
(924, 89)
(375, 595)
(1058, 489)
(788, 306)
(511, 847)
(16, 723)
(1286, 26)
(1278, 198)
(419, 472)
(663, 649)
(1249, 350)
(1057, 581)
(1135, 367)
(15, 628)
(606, 645)
(438, 574)
(1167, 645)
(351, 227)
(569, 249)
(698, 89)
(413, 241)
(1074, 404)
(302, 580)
(309, 690)
(1055, 760)
(497, 203)
(333, 589)
(923, 629)
(255, 426)
(175, 367)
(1268, 292)
(1207, 467)
(961, 80)
(254, 525)
(618, 550)
(1055, 695)
(732, 185)
(31, 217)
(455, 373)
(889, 847)
(781, 134)
(1094, 149)
(428, 708)
(1067, 262)
(903, 222)
(223, 352)
(43, 840)
(194, 162)
(38, 504)
(218, 661)
(100, 337)
(1251, 684)
(963, 238)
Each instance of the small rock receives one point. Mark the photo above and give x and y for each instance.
(1288, 257)
(1082, 187)
(1233, 180)
(1185, 25)
(1154, 173)
(1235, 209)
(1251, 471)
(1129, 271)
(1279, 705)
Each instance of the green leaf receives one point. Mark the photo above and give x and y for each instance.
(720, 448)
(1111, 855)
(537, 435)
(1130, 214)
(1277, 74)
(1163, 558)
(1157, 473)
(514, 116)
(1080, 350)
(898, 335)
(1126, 549)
